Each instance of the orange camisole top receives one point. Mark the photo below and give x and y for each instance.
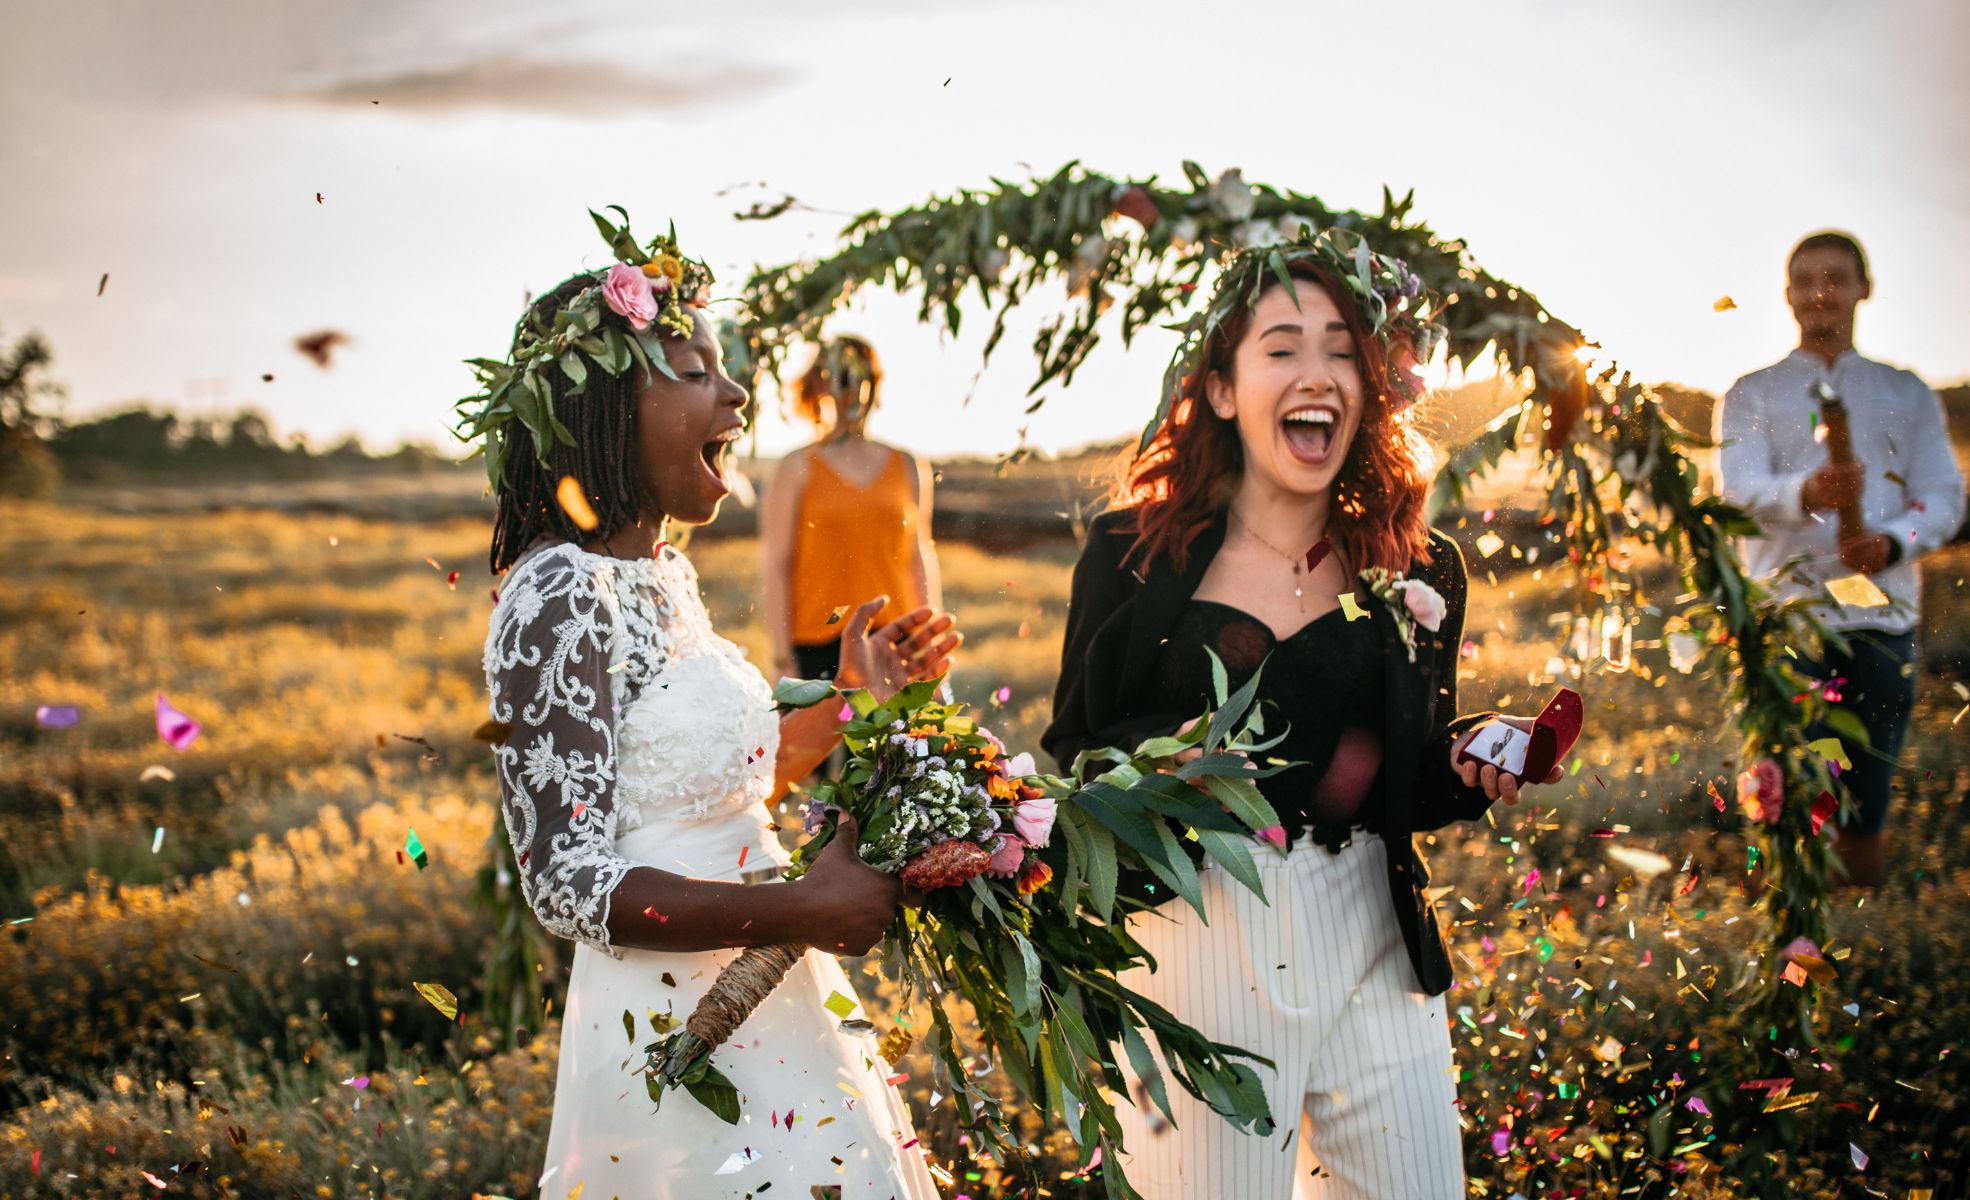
(852, 544)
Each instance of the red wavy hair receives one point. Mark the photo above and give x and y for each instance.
(1183, 481)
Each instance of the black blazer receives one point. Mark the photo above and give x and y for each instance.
(1118, 620)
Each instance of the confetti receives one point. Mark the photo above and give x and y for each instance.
(1002, 695)
(102, 283)
(1859, 1156)
(840, 611)
(414, 850)
(157, 840)
(568, 494)
(1830, 749)
(440, 997)
(155, 773)
(1489, 544)
(839, 1004)
(738, 1161)
(1646, 863)
(320, 347)
(1823, 808)
(177, 729)
(1723, 304)
(1354, 611)
(57, 716)
(1856, 591)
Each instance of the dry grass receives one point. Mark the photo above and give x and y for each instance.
(151, 1009)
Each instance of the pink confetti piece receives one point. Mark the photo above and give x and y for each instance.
(57, 716)
(1530, 879)
(358, 1082)
(1501, 1142)
(1002, 695)
(847, 713)
(1696, 1104)
(177, 729)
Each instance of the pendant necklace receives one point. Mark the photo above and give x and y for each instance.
(1312, 560)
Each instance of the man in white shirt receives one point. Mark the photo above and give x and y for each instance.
(1910, 492)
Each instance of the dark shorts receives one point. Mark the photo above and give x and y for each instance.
(818, 662)
(1877, 670)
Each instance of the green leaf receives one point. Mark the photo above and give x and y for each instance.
(575, 369)
(1244, 800)
(1101, 871)
(1145, 1066)
(1023, 976)
(802, 693)
(1232, 851)
(1843, 722)
(716, 1093)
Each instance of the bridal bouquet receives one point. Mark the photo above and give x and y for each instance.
(1021, 873)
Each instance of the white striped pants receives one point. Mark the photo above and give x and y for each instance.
(1318, 981)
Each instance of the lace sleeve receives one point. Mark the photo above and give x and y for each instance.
(547, 667)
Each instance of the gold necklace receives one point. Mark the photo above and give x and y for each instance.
(1313, 558)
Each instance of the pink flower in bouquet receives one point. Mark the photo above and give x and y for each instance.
(1007, 858)
(1424, 604)
(1761, 792)
(1033, 820)
(628, 294)
(1020, 765)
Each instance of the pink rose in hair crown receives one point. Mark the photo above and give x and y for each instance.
(1424, 604)
(1761, 792)
(1033, 820)
(628, 293)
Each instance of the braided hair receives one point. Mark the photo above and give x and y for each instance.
(602, 416)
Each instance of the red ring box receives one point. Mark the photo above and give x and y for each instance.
(1553, 733)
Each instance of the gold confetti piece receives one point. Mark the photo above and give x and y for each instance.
(155, 772)
(1723, 304)
(1781, 1103)
(1831, 750)
(894, 1045)
(575, 504)
(1646, 863)
(1489, 544)
(839, 612)
(440, 997)
(839, 1004)
(1856, 591)
(850, 1088)
(1354, 611)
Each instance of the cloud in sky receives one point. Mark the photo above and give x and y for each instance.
(564, 88)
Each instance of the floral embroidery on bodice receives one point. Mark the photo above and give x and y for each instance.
(626, 709)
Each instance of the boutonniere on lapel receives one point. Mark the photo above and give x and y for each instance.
(1412, 601)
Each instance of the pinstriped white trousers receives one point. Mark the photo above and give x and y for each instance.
(1318, 981)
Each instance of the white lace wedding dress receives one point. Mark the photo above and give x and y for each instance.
(639, 736)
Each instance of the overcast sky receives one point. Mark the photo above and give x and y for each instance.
(1631, 163)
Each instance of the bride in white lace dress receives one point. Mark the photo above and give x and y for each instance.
(642, 753)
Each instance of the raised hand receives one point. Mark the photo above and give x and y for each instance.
(914, 647)
(1498, 785)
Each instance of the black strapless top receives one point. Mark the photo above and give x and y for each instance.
(1322, 686)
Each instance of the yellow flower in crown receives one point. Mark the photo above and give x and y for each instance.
(669, 266)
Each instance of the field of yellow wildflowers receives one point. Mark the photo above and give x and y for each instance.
(208, 984)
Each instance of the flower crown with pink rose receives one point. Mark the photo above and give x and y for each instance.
(614, 324)
(1402, 314)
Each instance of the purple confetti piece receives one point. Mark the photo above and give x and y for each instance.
(177, 729)
(57, 716)
(1501, 1142)
(1696, 1104)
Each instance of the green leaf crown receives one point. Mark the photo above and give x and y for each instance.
(1401, 313)
(616, 323)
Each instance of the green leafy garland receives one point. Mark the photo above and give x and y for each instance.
(1617, 468)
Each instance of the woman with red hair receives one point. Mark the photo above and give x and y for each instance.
(1275, 518)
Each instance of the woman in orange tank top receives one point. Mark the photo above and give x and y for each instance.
(843, 520)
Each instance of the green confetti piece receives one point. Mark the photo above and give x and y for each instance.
(840, 1005)
(414, 850)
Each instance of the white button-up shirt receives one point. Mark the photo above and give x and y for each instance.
(1771, 442)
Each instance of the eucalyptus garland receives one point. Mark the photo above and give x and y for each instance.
(1617, 468)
